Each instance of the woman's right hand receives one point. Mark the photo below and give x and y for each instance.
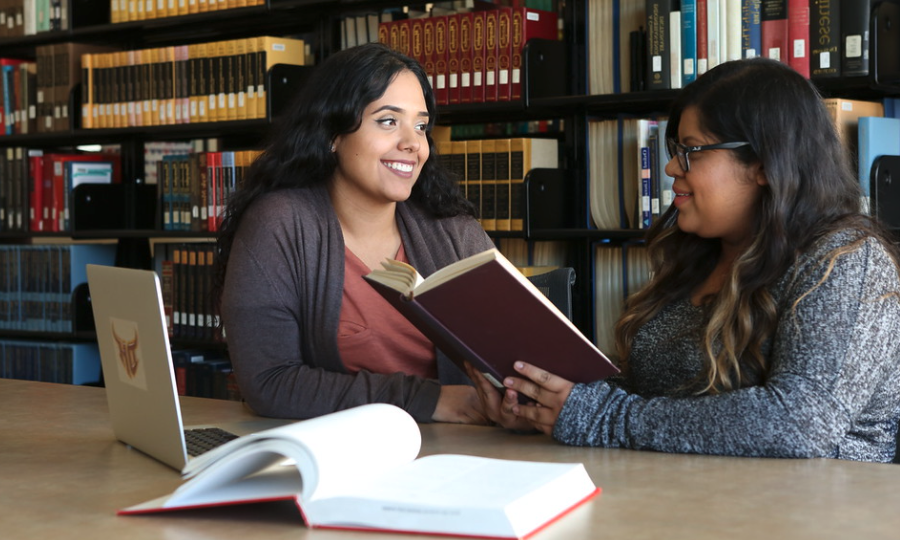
(499, 409)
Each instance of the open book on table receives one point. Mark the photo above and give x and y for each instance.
(357, 469)
(483, 310)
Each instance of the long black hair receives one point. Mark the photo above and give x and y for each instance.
(331, 103)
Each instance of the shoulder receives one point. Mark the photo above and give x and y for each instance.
(286, 213)
(848, 255)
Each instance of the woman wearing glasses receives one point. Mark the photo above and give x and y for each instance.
(770, 326)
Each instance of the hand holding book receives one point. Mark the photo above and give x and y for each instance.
(482, 310)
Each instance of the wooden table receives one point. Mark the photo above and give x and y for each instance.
(63, 475)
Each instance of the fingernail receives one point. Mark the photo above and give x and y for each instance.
(519, 365)
(508, 382)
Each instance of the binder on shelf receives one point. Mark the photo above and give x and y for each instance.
(548, 196)
(886, 45)
(885, 191)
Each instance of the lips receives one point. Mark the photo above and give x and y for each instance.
(399, 166)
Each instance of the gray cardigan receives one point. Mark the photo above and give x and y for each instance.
(833, 391)
(282, 300)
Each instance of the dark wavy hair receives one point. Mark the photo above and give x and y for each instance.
(331, 103)
(811, 192)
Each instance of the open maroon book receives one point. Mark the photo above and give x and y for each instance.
(484, 311)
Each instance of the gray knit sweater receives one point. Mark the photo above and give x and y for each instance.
(833, 391)
(282, 301)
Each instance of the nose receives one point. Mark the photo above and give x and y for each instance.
(673, 167)
(410, 139)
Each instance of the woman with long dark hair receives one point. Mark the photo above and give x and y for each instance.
(770, 324)
(348, 179)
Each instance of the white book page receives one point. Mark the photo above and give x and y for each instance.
(331, 452)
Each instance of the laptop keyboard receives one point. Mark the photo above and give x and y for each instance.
(200, 440)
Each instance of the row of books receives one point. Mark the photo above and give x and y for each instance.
(186, 276)
(204, 373)
(627, 156)
(139, 10)
(65, 363)
(492, 174)
(818, 38)
(195, 187)
(18, 96)
(37, 282)
(472, 56)
(36, 187)
(202, 82)
(30, 17)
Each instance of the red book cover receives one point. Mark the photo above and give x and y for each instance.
(466, 42)
(774, 29)
(427, 32)
(384, 33)
(453, 60)
(491, 53)
(484, 311)
(528, 24)
(214, 178)
(418, 47)
(36, 195)
(479, 19)
(702, 36)
(798, 36)
(405, 29)
(504, 53)
(441, 43)
(441, 92)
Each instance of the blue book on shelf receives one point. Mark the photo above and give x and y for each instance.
(878, 136)
(751, 31)
(688, 41)
(665, 181)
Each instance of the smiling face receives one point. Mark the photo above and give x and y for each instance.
(719, 196)
(380, 162)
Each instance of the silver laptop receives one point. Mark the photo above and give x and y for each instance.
(137, 366)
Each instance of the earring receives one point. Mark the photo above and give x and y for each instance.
(332, 148)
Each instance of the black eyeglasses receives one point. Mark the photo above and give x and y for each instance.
(681, 151)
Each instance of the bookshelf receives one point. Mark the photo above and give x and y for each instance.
(556, 86)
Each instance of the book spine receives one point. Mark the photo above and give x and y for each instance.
(659, 72)
(441, 89)
(798, 36)
(702, 36)
(688, 41)
(825, 39)
(775, 29)
(855, 38)
(751, 30)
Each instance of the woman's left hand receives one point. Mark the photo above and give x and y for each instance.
(549, 392)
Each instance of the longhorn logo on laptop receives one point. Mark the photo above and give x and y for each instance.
(126, 343)
(127, 352)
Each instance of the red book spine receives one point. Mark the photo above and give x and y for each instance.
(774, 29)
(441, 91)
(504, 53)
(213, 172)
(418, 48)
(702, 36)
(453, 60)
(478, 55)
(527, 24)
(798, 36)
(466, 42)
(36, 199)
(425, 28)
(491, 54)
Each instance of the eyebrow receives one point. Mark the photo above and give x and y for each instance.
(395, 109)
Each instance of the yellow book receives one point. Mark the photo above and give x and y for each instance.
(211, 66)
(193, 6)
(162, 8)
(240, 78)
(502, 180)
(229, 80)
(221, 71)
(133, 104)
(88, 90)
(846, 114)
(115, 16)
(193, 113)
(473, 175)
(149, 9)
(489, 185)
(152, 57)
(182, 7)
